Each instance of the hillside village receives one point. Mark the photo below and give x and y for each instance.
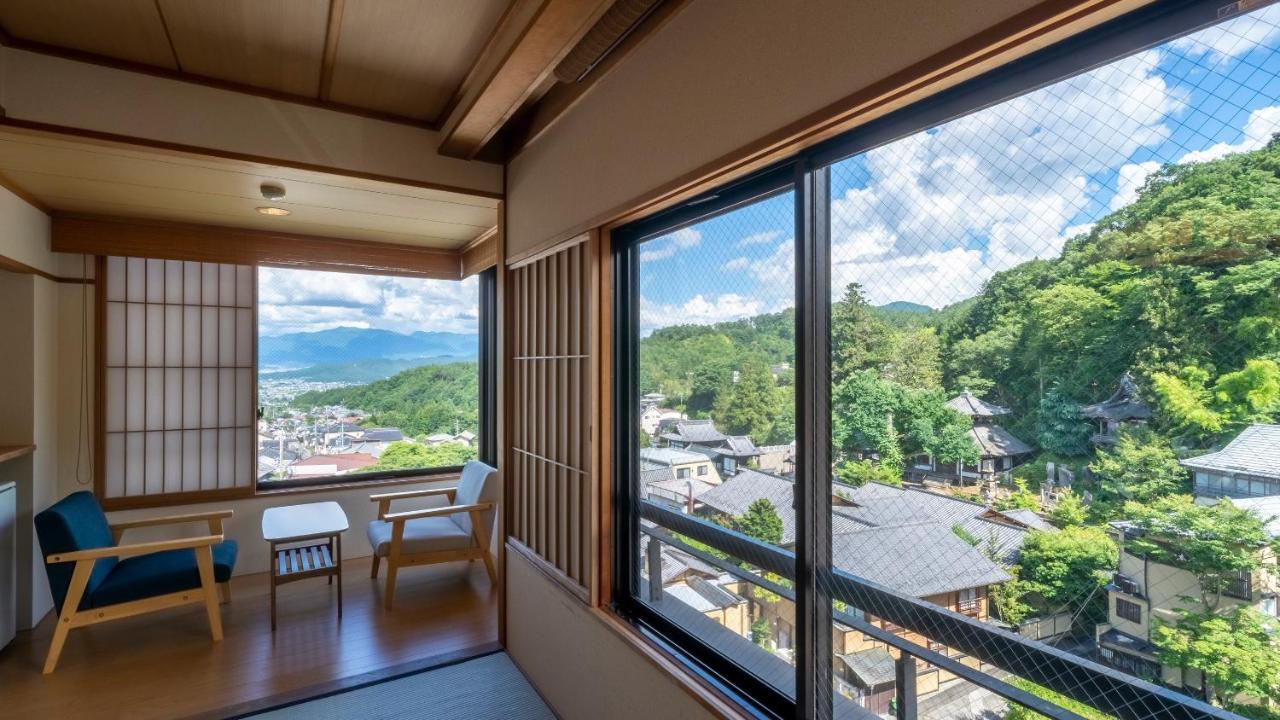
(1094, 479)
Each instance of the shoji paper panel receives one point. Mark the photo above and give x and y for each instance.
(177, 357)
(552, 484)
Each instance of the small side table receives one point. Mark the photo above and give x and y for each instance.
(312, 536)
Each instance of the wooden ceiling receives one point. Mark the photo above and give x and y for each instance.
(65, 174)
(401, 59)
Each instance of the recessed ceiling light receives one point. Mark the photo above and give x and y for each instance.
(270, 210)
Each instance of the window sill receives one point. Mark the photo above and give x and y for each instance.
(357, 484)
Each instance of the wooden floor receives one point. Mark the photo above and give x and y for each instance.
(164, 665)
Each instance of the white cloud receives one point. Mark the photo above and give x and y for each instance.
(738, 263)
(932, 216)
(668, 245)
(308, 301)
(1132, 176)
(698, 310)
(760, 238)
(1258, 129)
(1233, 38)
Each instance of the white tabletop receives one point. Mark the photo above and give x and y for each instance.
(303, 522)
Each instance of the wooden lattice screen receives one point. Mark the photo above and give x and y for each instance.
(553, 311)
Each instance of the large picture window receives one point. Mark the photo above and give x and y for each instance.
(365, 375)
(958, 370)
(353, 377)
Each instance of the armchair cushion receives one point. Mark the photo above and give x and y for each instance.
(75, 522)
(478, 484)
(160, 573)
(428, 534)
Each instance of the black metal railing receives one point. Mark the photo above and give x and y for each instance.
(1091, 683)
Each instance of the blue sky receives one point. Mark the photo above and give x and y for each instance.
(930, 217)
(292, 301)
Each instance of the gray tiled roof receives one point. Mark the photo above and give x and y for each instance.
(699, 431)
(995, 441)
(1266, 507)
(741, 446)
(1124, 404)
(382, 435)
(969, 404)
(919, 560)
(871, 667)
(733, 496)
(1028, 518)
(1255, 451)
(669, 456)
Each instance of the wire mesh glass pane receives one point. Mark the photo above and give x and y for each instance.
(716, 427)
(360, 374)
(1056, 386)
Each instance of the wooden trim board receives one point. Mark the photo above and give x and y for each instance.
(101, 235)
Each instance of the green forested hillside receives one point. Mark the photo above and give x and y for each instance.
(420, 401)
(1181, 287)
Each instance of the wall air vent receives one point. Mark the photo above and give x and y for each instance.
(612, 28)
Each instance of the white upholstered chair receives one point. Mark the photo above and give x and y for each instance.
(460, 530)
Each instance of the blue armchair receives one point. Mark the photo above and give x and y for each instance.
(95, 579)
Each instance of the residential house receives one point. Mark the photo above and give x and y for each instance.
(730, 452)
(1125, 407)
(676, 477)
(652, 417)
(1249, 466)
(1145, 590)
(335, 464)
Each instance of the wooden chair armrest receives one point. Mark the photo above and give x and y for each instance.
(384, 499)
(436, 511)
(124, 551)
(413, 493)
(173, 519)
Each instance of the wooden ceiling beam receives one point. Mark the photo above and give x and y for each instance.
(331, 34)
(102, 235)
(555, 29)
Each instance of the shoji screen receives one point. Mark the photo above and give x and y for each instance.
(177, 358)
(552, 491)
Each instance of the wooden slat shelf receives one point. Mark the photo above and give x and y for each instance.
(299, 562)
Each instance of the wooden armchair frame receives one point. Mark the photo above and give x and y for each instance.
(397, 558)
(71, 615)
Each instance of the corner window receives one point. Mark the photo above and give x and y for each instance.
(983, 281)
(364, 376)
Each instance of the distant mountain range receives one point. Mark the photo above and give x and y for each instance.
(360, 372)
(347, 346)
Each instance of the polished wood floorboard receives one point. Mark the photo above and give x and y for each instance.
(163, 665)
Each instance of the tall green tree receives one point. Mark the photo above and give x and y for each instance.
(1067, 569)
(760, 521)
(1060, 428)
(750, 405)
(1237, 650)
(1141, 466)
(1248, 395)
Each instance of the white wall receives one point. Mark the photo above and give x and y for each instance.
(29, 386)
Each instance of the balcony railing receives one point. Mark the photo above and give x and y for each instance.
(1098, 686)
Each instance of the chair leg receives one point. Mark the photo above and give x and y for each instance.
(70, 605)
(204, 561)
(374, 573)
(488, 566)
(224, 589)
(389, 594)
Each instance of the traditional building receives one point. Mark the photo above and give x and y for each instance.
(998, 450)
(1124, 407)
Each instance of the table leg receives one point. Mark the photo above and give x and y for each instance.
(273, 587)
(338, 560)
(332, 550)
